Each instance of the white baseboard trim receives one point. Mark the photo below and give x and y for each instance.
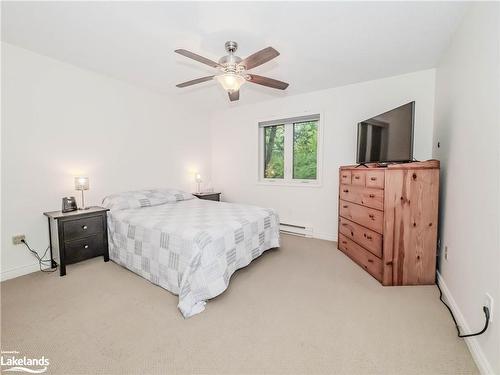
(475, 349)
(19, 271)
(325, 236)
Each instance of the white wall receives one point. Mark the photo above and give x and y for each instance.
(235, 143)
(59, 121)
(467, 124)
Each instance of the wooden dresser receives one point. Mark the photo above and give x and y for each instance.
(388, 220)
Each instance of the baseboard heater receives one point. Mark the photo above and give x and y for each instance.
(297, 230)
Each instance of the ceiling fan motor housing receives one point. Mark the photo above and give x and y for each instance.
(230, 62)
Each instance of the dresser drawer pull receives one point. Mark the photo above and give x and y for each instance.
(344, 224)
(344, 176)
(344, 242)
(345, 206)
(84, 227)
(371, 216)
(373, 178)
(368, 237)
(345, 191)
(372, 195)
(86, 246)
(356, 177)
(370, 260)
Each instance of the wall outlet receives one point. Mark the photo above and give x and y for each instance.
(446, 252)
(489, 303)
(18, 239)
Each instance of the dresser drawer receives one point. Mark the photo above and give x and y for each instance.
(375, 179)
(367, 217)
(373, 198)
(364, 258)
(82, 227)
(345, 177)
(84, 248)
(370, 240)
(358, 178)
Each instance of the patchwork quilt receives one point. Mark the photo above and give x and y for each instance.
(190, 247)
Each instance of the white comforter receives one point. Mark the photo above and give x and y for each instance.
(191, 247)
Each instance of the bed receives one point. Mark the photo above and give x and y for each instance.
(186, 245)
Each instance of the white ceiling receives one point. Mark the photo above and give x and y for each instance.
(322, 44)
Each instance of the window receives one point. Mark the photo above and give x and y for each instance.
(289, 150)
(274, 151)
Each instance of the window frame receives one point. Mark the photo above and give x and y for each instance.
(288, 122)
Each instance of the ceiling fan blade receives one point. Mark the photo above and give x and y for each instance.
(198, 58)
(269, 82)
(235, 95)
(195, 81)
(259, 58)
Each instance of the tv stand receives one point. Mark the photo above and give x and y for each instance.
(361, 165)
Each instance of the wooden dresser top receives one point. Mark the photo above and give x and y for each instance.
(428, 164)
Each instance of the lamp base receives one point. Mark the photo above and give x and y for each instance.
(83, 208)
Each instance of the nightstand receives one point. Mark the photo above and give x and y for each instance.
(209, 196)
(78, 235)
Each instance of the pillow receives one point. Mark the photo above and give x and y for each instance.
(144, 198)
(175, 195)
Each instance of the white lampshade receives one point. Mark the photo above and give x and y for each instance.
(81, 183)
(230, 81)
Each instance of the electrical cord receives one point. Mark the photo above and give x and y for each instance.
(40, 259)
(486, 313)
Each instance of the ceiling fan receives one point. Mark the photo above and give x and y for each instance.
(234, 71)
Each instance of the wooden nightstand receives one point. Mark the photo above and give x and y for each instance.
(78, 235)
(209, 196)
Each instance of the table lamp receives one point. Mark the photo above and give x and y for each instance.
(197, 178)
(82, 183)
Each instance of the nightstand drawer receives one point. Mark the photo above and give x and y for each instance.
(208, 196)
(82, 227)
(84, 248)
(212, 197)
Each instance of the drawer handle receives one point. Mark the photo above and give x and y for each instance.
(370, 260)
(356, 177)
(371, 216)
(345, 191)
(344, 242)
(373, 178)
(344, 176)
(344, 224)
(345, 206)
(368, 237)
(84, 227)
(86, 246)
(372, 195)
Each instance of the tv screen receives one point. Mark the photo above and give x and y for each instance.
(387, 137)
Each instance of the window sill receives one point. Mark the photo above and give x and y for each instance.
(290, 184)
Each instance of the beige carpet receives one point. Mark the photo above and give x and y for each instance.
(302, 309)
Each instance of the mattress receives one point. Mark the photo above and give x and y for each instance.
(191, 247)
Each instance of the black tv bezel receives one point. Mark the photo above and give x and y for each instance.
(411, 140)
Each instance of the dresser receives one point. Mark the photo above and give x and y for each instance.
(78, 235)
(388, 220)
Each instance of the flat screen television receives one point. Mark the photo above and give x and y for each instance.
(387, 137)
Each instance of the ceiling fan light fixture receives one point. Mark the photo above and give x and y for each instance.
(233, 71)
(230, 81)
